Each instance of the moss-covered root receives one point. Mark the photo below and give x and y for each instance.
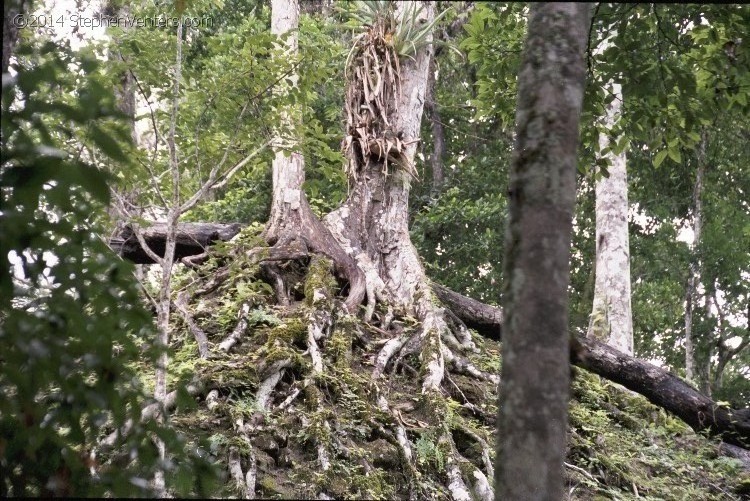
(244, 481)
(466, 482)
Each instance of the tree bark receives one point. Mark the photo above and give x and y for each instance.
(164, 302)
(291, 216)
(666, 390)
(536, 373)
(11, 10)
(694, 272)
(372, 224)
(191, 239)
(612, 318)
(438, 135)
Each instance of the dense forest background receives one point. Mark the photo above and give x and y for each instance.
(200, 374)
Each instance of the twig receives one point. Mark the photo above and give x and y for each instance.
(581, 471)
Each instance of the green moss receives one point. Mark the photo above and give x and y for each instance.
(232, 371)
(319, 280)
(624, 442)
(292, 330)
(183, 363)
(340, 347)
(658, 457)
(312, 396)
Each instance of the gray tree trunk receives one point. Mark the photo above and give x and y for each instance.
(288, 162)
(694, 273)
(612, 317)
(438, 135)
(372, 224)
(536, 372)
(291, 217)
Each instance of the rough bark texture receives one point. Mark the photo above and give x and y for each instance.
(536, 373)
(666, 390)
(372, 224)
(438, 135)
(485, 319)
(612, 319)
(291, 216)
(191, 239)
(287, 209)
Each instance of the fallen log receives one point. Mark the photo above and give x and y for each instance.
(191, 239)
(659, 386)
(666, 390)
(483, 318)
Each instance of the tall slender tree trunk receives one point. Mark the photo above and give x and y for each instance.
(612, 318)
(292, 223)
(536, 373)
(704, 372)
(288, 163)
(691, 291)
(11, 9)
(164, 302)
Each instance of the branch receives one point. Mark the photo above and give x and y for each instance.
(214, 182)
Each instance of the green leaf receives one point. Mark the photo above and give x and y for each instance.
(107, 144)
(674, 154)
(659, 158)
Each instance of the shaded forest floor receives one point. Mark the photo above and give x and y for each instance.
(311, 433)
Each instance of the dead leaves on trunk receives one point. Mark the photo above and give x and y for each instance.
(373, 90)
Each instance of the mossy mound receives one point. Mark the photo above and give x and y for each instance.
(329, 428)
(627, 448)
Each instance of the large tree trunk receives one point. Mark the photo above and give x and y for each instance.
(383, 123)
(611, 318)
(288, 209)
(372, 224)
(536, 373)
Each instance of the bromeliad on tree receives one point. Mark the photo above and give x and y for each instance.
(374, 83)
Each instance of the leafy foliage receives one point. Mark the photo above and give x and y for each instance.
(71, 316)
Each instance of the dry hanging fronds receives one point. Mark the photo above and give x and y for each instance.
(374, 84)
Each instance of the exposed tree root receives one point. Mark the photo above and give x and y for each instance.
(238, 331)
(322, 371)
(244, 482)
(200, 336)
(387, 388)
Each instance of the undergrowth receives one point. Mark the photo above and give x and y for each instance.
(620, 446)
